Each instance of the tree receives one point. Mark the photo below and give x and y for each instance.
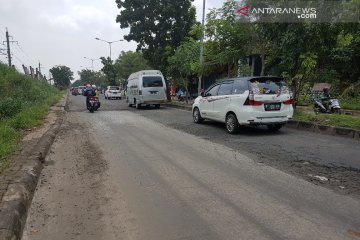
(229, 40)
(156, 26)
(62, 76)
(184, 64)
(130, 62)
(86, 75)
(109, 70)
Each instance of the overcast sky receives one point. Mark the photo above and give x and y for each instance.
(62, 32)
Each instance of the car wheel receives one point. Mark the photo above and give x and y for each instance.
(274, 127)
(197, 116)
(157, 106)
(232, 124)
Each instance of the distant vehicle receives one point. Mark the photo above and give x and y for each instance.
(81, 89)
(113, 92)
(249, 101)
(75, 91)
(146, 87)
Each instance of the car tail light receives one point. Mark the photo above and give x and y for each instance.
(140, 92)
(252, 102)
(289, 101)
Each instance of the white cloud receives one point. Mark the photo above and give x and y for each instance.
(62, 21)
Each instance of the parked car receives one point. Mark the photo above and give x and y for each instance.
(248, 101)
(146, 87)
(113, 92)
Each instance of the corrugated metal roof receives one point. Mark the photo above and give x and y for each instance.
(320, 86)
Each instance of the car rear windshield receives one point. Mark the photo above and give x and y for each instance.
(114, 88)
(268, 86)
(152, 82)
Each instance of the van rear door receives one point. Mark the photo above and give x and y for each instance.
(153, 88)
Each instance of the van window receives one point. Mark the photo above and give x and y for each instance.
(114, 88)
(268, 86)
(152, 82)
(225, 88)
(212, 91)
(240, 86)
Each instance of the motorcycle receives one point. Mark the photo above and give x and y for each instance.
(93, 104)
(333, 106)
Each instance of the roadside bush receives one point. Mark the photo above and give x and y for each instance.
(328, 119)
(24, 103)
(9, 107)
(9, 138)
(350, 103)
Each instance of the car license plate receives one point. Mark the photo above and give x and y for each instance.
(272, 106)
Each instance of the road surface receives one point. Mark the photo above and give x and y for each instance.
(126, 174)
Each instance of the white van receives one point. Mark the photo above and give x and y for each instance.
(146, 88)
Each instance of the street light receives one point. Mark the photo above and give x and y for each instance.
(92, 61)
(109, 42)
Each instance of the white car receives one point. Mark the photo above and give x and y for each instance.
(113, 92)
(246, 101)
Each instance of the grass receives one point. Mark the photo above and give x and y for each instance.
(335, 120)
(350, 103)
(24, 104)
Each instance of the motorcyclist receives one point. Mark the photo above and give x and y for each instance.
(325, 98)
(89, 92)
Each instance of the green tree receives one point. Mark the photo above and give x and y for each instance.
(62, 76)
(228, 40)
(184, 64)
(130, 62)
(156, 26)
(86, 75)
(109, 70)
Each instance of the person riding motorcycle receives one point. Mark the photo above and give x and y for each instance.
(325, 98)
(89, 92)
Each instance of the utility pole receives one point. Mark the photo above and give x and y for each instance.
(8, 46)
(202, 47)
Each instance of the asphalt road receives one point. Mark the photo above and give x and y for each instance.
(122, 173)
(301, 153)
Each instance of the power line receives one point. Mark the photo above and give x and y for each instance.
(26, 55)
(23, 56)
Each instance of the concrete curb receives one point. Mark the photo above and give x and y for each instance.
(306, 126)
(17, 199)
(327, 130)
(187, 108)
